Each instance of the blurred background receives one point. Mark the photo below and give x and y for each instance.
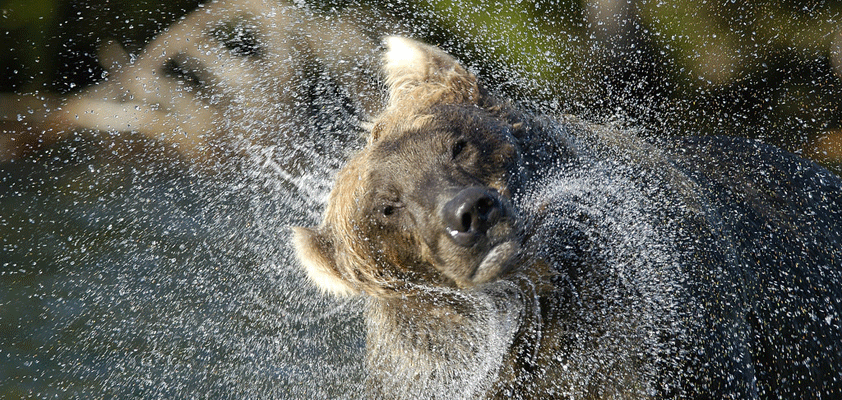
(763, 69)
(146, 279)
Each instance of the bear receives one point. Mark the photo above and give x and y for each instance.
(504, 253)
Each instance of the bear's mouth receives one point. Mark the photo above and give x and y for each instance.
(496, 262)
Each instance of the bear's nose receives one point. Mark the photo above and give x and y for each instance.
(470, 213)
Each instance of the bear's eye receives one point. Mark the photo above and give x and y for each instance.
(389, 208)
(457, 148)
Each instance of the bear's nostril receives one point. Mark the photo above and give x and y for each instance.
(470, 213)
(484, 206)
(467, 221)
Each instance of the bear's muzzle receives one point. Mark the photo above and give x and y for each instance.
(471, 213)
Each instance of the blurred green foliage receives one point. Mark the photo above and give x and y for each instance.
(52, 44)
(27, 24)
(765, 69)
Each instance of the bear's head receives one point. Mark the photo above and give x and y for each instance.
(427, 202)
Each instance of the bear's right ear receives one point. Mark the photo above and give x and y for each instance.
(315, 252)
(420, 75)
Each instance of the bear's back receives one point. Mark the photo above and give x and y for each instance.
(777, 219)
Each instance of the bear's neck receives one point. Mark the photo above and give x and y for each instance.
(441, 342)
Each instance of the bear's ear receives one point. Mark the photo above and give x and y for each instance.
(420, 75)
(315, 252)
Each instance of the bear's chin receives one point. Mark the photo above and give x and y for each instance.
(496, 262)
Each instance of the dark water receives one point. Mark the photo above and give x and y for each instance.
(123, 280)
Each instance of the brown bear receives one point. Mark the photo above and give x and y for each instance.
(505, 254)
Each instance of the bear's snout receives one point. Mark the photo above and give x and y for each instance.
(470, 214)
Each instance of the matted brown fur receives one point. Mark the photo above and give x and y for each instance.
(429, 333)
